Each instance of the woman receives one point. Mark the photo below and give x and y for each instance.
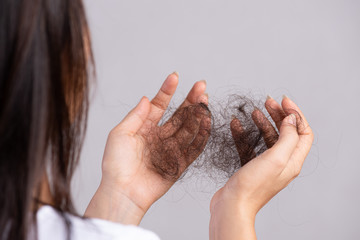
(44, 82)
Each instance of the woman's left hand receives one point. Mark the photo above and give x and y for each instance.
(235, 206)
(129, 184)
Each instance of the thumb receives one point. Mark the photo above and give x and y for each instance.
(288, 138)
(135, 118)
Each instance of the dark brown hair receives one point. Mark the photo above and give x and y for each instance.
(44, 57)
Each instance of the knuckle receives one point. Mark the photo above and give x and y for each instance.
(296, 172)
(160, 104)
(113, 132)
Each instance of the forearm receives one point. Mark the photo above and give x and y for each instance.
(112, 205)
(228, 223)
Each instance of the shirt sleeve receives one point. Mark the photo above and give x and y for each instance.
(51, 225)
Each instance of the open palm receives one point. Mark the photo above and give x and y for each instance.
(128, 167)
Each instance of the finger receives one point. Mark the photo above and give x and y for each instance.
(306, 136)
(299, 155)
(246, 152)
(201, 139)
(275, 110)
(288, 139)
(267, 130)
(162, 99)
(135, 118)
(290, 107)
(191, 122)
(195, 93)
(175, 122)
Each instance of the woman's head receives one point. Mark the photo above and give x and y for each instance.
(45, 54)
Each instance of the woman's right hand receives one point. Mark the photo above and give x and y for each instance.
(131, 182)
(234, 207)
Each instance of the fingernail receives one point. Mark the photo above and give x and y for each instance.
(204, 81)
(284, 96)
(268, 97)
(233, 117)
(291, 119)
(207, 95)
(176, 73)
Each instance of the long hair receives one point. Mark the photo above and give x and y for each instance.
(45, 54)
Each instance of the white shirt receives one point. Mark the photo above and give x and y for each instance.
(51, 225)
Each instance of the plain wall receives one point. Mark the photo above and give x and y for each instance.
(308, 50)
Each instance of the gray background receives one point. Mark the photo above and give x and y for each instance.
(309, 50)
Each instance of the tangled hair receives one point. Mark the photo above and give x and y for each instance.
(239, 131)
(227, 151)
(177, 143)
(45, 53)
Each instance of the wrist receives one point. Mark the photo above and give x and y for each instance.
(112, 205)
(232, 221)
(234, 208)
(232, 217)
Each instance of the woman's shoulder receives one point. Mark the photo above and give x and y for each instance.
(52, 225)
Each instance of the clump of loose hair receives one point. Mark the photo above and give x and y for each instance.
(226, 153)
(174, 145)
(236, 136)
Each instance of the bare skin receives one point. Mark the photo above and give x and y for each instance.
(129, 187)
(125, 194)
(234, 207)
